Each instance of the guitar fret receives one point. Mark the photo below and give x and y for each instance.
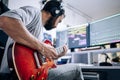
(59, 50)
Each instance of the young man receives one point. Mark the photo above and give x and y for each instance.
(25, 26)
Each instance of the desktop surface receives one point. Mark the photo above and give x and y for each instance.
(104, 72)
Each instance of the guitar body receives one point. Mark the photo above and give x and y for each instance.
(25, 65)
(23, 61)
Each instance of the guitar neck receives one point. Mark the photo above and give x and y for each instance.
(59, 50)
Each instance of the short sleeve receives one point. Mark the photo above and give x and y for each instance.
(26, 14)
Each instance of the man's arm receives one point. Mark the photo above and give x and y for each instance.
(16, 30)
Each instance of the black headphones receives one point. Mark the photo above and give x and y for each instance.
(54, 7)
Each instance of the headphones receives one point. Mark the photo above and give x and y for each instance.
(54, 7)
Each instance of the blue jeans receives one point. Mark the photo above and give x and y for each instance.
(66, 72)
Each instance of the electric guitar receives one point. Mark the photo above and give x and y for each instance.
(27, 64)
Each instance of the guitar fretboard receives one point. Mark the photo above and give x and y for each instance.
(59, 50)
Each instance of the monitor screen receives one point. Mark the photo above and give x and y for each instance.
(78, 36)
(61, 38)
(47, 36)
(105, 31)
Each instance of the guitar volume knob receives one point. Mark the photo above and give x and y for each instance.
(38, 73)
(43, 78)
(32, 77)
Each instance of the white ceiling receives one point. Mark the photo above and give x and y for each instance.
(94, 9)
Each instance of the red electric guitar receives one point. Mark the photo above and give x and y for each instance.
(28, 64)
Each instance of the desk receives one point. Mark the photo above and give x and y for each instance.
(105, 72)
(99, 67)
(87, 56)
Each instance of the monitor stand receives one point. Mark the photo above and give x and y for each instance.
(72, 49)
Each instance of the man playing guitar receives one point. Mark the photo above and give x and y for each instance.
(25, 26)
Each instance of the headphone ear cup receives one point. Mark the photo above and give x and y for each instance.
(55, 11)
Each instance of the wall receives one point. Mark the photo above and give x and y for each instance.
(13, 4)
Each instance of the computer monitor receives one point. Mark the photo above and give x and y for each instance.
(47, 36)
(105, 31)
(61, 38)
(78, 36)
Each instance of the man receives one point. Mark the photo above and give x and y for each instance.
(25, 26)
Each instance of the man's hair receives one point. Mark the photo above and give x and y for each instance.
(54, 7)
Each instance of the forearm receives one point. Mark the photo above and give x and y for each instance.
(16, 30)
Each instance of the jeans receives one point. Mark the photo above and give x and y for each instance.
(65, 72)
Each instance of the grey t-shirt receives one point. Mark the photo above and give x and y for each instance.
(31, 18)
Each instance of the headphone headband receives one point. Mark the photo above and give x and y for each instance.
(54, 7)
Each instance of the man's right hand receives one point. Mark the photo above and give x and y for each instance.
(48, 51)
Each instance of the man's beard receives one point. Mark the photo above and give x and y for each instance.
(50, 23)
